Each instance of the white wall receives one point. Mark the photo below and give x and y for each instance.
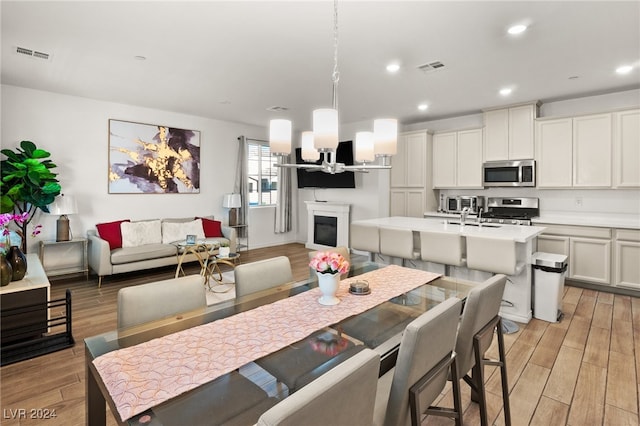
(75, 131)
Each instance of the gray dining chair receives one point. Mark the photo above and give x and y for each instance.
(444, 248)
(345, 395)
(365, 237)
(480, 320)
(425, 360)
(149, 302)
(262, 275)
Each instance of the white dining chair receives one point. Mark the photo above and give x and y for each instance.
(262, 275)
(345, 395)
(398, 242)
(149, 302)
(480, 322)
(444, 248)
(425, 360)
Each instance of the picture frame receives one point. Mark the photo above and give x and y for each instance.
(153, 159)
(191, 239)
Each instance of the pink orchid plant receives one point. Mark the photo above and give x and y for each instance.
(327, 262)
(18, 218)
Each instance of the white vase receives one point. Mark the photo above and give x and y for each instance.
(328, 284)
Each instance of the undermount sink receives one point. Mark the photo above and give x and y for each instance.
(482, 225)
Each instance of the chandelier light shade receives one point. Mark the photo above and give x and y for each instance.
(280, 136)
(385, 136)
(325, 129)
(309, 153)
(364, 147)
(382, 143)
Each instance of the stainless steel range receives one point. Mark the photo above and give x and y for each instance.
(511, 211)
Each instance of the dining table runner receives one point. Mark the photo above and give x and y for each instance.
(142, 376)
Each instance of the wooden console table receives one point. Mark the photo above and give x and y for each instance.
(34, 288)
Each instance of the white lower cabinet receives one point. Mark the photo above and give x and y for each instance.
(588, 250)
(627, 258)
(590, 260)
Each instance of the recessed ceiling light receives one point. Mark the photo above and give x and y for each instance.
(423, 107)
(505, 92)
(625, 69)
(393, 67)
(517, 29)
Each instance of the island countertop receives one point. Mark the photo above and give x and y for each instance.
(518, 233)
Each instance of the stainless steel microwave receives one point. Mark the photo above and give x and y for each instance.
(509, 173)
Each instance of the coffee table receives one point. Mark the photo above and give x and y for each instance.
(212, 270)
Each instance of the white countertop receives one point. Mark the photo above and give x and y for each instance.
(35, 277)
(603, 220)
(519, 234)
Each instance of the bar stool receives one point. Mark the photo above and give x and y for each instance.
(444, 248)
(496, 255)
(365, 237)
(397, 242)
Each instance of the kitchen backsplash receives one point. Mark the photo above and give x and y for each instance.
(604, 201)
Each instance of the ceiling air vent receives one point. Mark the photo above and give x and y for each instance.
(277, 108)
(431, 66)
(32, 53)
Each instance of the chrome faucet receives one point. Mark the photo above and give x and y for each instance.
(463, 215)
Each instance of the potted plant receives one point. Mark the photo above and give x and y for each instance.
(27, 184)
(223, 250)
(329, 266)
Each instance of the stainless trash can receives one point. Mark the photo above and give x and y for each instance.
(549, 271)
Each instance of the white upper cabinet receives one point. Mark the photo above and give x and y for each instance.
(554, 153)
(457, 159)
(592, 151)
(578, 152)
(409, 164)
(626, 149)
(509, 133)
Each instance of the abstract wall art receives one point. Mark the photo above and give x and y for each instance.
(153, 159)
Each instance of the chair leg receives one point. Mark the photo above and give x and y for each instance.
(455, 387)
(503, 374)
(478, 378)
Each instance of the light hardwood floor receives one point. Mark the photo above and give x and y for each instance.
(581, 371)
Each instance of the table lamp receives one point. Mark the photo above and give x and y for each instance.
(232, 202)
(63, 205)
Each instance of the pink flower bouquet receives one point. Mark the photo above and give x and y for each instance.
(327, 262)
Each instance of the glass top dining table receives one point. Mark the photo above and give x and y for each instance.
(379, 328)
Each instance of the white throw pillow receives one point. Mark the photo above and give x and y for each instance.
(138, 233)
(178, 231)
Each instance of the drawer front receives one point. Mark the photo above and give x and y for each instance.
(577, 231)
(627, 234)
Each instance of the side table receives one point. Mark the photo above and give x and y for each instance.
(242, 231)
(82, 267)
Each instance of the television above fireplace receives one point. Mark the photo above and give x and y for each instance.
(318, 179)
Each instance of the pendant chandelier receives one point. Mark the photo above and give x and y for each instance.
(369, 146)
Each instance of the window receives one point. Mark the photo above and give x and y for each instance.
(262, 175)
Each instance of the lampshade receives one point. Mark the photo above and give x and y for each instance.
(385, 136)
(231, 201)
(364, 147)
(325, 129)
(309, 153)
(280, 136)
(64, 205)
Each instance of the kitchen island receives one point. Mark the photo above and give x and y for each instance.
(517, 293)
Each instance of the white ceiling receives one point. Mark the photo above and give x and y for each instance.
(232, 60)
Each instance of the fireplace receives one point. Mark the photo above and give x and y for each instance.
(327, 225)
(325, 230)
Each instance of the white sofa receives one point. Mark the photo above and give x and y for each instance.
(147, 249)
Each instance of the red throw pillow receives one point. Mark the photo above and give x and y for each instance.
(211, 228)
(111, 232)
